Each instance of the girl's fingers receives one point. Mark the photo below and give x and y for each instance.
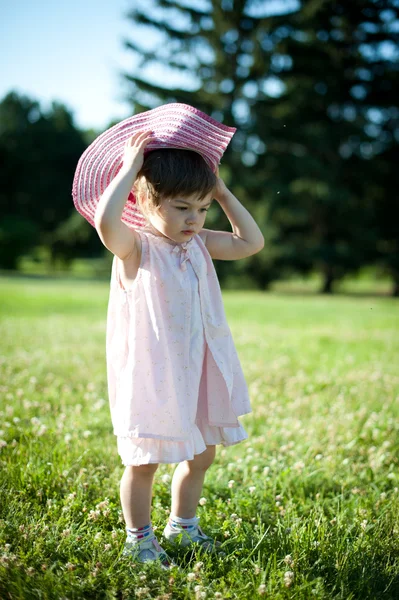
(138, 138)
(144, 138)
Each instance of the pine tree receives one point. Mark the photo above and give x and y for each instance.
(301, 87)
(341, 86)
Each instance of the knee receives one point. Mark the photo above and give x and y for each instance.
(144, 470)
(204, 460)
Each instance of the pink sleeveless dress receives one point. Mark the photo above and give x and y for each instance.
(168, 398)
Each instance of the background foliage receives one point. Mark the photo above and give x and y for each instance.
(312, 88)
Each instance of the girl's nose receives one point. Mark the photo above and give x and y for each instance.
(190, 219)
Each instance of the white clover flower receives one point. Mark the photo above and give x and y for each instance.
(3, 443)
(262, 589)
(86, 433)
(99, 404)
(289, 578)
(191, 577)
(98, 536)
(67, 438)
(251, 489)
(231, 483)
(288, 560)
(66, 533)
(166, 478)
(202, 501)
(94, 515)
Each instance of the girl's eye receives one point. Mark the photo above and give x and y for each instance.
(185, 208)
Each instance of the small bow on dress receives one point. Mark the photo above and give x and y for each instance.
(184, 254)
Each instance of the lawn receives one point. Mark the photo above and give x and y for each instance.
(307, 507)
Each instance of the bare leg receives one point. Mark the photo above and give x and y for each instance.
(136, 494)
(187, 483)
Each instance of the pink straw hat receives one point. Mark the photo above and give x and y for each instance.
(173, 125)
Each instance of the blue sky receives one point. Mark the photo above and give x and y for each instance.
(73, 52)
(67, 51)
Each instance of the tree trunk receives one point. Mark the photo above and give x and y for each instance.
(328, 280)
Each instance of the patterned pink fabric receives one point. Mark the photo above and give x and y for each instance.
(148, 337)
(174, 125)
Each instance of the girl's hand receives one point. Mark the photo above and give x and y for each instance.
(133, 154)
(220, 188)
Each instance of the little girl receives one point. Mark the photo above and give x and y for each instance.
(175, 382)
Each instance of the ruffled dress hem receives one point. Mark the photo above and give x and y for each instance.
(143, 451)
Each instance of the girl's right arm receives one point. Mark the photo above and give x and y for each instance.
(120, 239)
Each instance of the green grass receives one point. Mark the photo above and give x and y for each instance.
(315, 487)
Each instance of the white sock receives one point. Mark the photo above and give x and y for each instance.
(140, 534)
(188, 524)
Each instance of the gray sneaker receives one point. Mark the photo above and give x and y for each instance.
(146, 551)
(178, 535)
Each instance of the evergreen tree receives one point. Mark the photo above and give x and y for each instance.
(341, 86)
(312, 91)
(39, 152)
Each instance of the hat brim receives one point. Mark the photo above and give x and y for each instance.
(173, 125)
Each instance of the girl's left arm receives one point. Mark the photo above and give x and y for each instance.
(246, 239)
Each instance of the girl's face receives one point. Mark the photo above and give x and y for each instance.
(182, 217)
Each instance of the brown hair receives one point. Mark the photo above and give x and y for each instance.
(170, 172)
